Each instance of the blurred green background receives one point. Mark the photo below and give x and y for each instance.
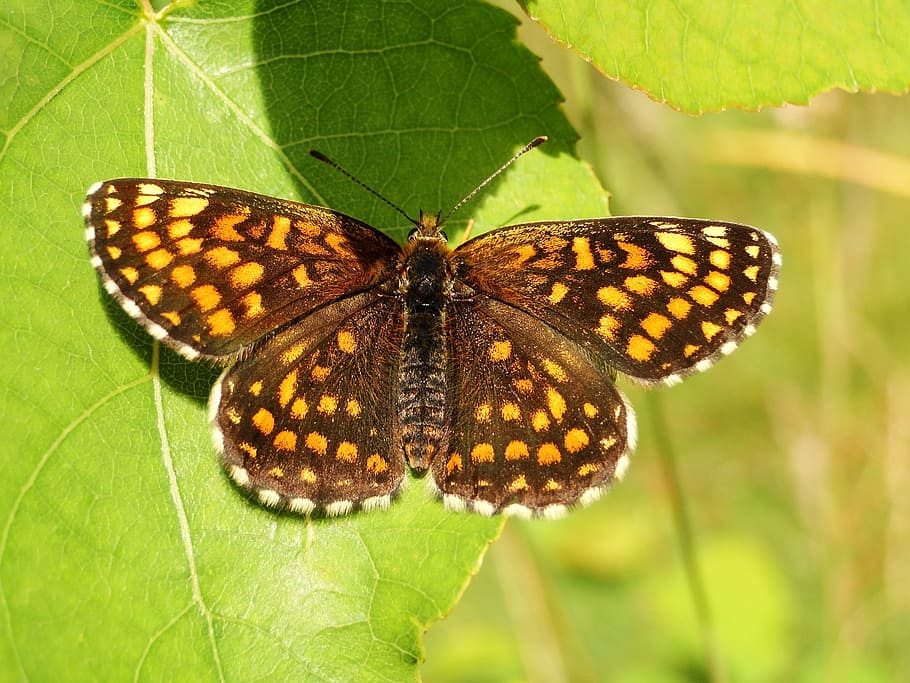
(793, 454)
(790, 457)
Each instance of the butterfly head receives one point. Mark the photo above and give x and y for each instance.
(428, 226)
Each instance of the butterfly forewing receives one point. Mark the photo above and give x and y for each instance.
(535, 424)
(308, 421)
(208, 270)
(656, 298)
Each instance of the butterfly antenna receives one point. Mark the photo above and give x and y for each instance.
(524, 150)
(324, 159)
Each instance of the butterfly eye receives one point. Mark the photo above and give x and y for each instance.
(412, 234)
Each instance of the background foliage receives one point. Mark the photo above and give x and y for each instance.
(124, 552)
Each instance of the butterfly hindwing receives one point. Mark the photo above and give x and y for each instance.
(308, 421)
(536, 425)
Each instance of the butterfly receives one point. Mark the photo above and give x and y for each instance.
(490, 366)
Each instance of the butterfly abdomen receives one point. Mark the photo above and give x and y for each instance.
(425, 287)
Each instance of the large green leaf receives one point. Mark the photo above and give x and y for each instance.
(124, 551)
(704, 56)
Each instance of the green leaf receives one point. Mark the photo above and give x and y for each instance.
(705, 56)
(125, 553)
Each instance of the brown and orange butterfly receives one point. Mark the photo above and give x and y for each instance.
(491, 365)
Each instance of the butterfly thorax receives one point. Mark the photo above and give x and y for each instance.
(425, 285)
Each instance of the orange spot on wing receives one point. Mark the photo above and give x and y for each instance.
(187, 206)
(614, 297)
(454, 463)
(346, 341)
(640, 284)
(703, 296)
(556, 403)
(677, 242)
(516, 450)
(584, 260)
(519, 483)
(287, 388)
(178, 229)
(607, 327)
(152, 293)
(731, 315)
(656, 325)
(222, 257)
(299, 408)
(717, 280)
(637, 258)
(720, 258)
(146, 240)
(292, 353)
(281, 226)
(557, 292)
(575, 440)
(173, 317)
(183, 276)
(377, 464)
(684, 264)
(264, 421)
(130, 274)
(253, 304)
(189, 246)
(587, 469)
(301, 276)
(346, 451)
(673, 278)
(548, 454)
(482, 452)
(316, 442)
(524, 386)
(246, 275)
(500, 350)
(221, 323)
(679, 308)
(285, 440)
(225, 227)
(510, 412)
(143, 217)
(640, 348)
(327, 404)
(710, 330)
(206, 297)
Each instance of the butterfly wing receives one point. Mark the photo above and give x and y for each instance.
(308, 421)
(535, 424)
(656, 298)
(209, 270)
